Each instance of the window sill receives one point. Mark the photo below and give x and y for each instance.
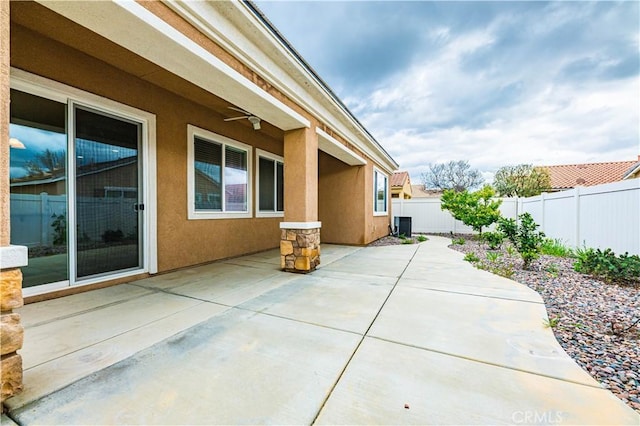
(203, 215)
(269, 214)
(381, 213)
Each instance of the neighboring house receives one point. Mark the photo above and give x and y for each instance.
(567, 176)
(634, 171)
(419, 191)
(163, 81)
(401, 185)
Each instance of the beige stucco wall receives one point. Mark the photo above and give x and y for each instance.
(340, 201)
(345, 198)
(4, 122)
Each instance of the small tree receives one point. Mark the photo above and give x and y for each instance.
(523, 236)
(522, 180)
(456, 175)
(475, 209)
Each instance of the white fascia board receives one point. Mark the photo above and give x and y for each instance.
(231, 25)
(333, 147)
(135, 28)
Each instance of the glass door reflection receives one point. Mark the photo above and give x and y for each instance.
(38, 186)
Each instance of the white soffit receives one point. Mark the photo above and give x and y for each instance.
(334, 148)
(140, 31)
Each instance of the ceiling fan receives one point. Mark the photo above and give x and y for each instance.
(252, 118)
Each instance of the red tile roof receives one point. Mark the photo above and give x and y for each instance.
(399, 178)
(588, 174)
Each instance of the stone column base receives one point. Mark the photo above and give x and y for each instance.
(11, 330)
(11, 333)
(299, 246)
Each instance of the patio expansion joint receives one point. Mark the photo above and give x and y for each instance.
(95, 308)
(114, 336)
(513, 299)
(262, 312)
(353, 354)
(493, 364)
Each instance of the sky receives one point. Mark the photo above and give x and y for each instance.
(492, 83)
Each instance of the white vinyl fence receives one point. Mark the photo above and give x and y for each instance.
(427, 217)
(32, 217)
(603, 216)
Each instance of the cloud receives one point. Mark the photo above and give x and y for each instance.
(495, 83)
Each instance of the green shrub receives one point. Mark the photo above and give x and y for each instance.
(471, 257)
(459, 241)
(475, 209)
(493, 256)
(523, 236)
(552, 322)
(502, 270)
(493, 239)
(421, 238)
(554, 247)
(407, 241)
(606, 265)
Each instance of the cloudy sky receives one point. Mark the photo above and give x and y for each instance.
(494, 83)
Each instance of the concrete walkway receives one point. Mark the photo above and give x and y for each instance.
(381, 335)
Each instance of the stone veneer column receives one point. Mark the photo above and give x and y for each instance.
(11, 257)
(300, 231)
(299, 246)
(11, 331)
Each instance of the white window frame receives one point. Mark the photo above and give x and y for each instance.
(269, 156)
(377, 172)
(193, 214)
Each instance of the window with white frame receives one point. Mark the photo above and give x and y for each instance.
(270, 184)
(219, 175)
(380, 193)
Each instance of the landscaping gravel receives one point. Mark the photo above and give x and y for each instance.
(596, 323)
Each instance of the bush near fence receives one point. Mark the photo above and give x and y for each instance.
(602, 216)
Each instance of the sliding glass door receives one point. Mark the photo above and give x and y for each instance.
(76, 190)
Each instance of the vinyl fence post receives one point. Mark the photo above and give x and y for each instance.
(542, 198)
(45, 217)
(576, 196)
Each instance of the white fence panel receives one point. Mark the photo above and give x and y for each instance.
(32, 216)
(611, 219)
(427, 216)
(602, 216)
(559, 216)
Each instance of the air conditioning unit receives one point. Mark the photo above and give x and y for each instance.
(402, 225)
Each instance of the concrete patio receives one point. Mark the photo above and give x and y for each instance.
(406, 334)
